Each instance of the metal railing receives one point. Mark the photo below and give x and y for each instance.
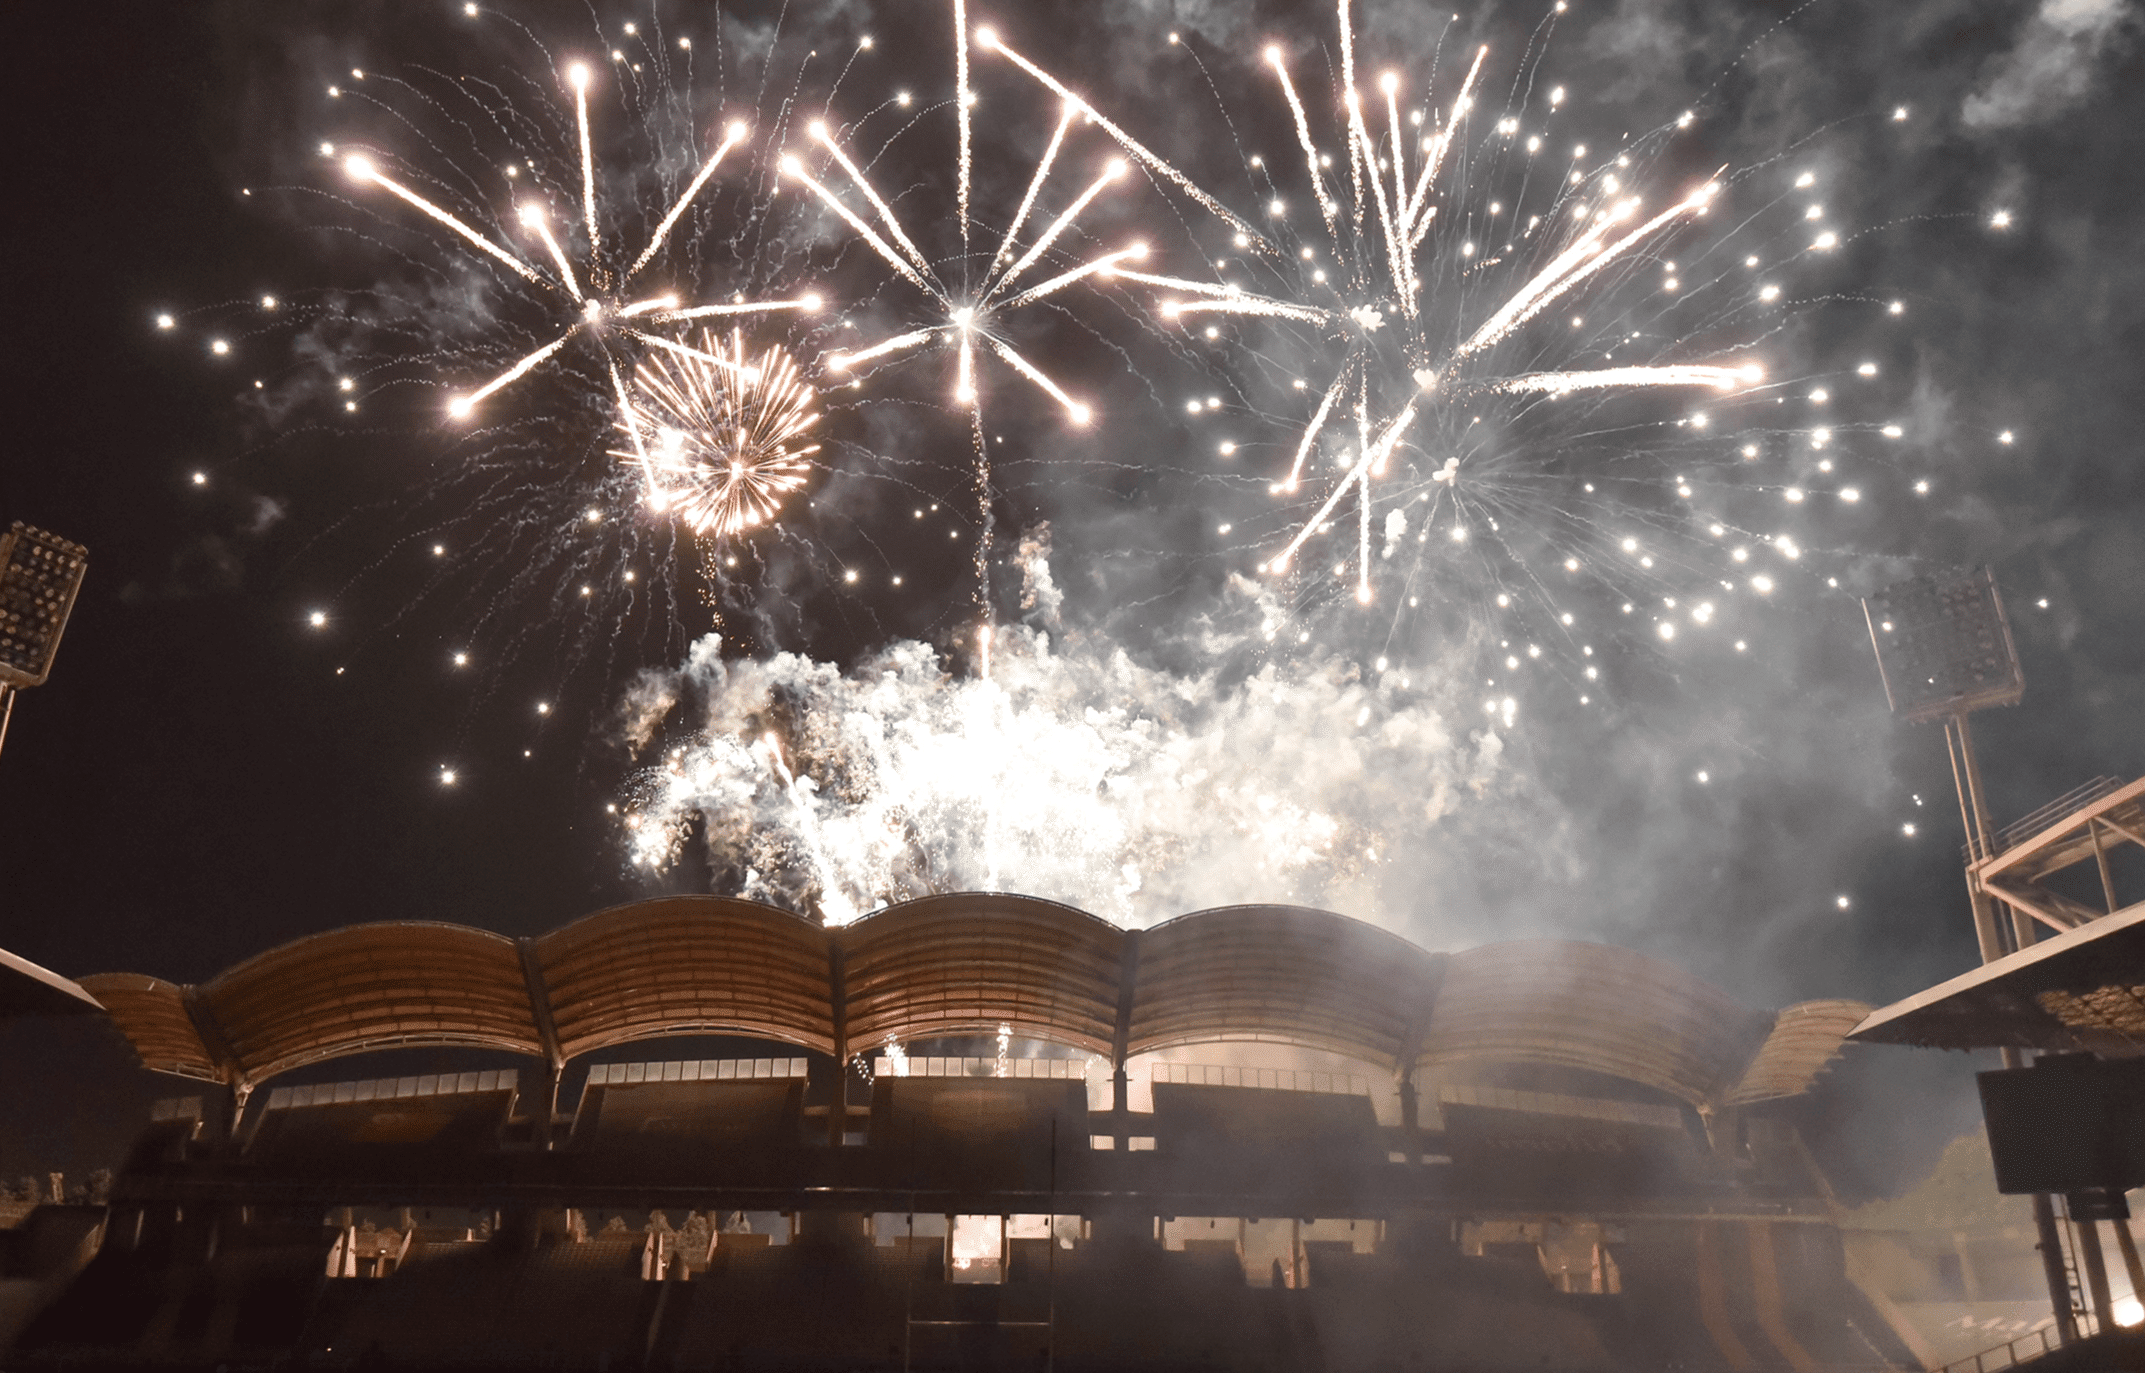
(2025, 827)
(2020, 1349)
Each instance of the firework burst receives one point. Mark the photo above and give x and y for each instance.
(720, 437)
(1468, 342)
(964, 308)
(601, 299)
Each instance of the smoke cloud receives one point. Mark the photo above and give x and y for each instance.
(1071, 771)
(2055, 64)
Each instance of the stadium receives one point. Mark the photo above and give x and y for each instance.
(966, 1131)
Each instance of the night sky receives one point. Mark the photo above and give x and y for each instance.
(198, 782)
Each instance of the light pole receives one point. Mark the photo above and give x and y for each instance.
(1944, 649)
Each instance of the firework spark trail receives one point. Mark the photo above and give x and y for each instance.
(1372, 455)
(1035, 182)
(1057, 227)
(361, 169)
(1226, 299)
(822, 136)
(1029, 370)
(732, 136)
(795, 168)
(578, 75)
(990, 42)
(1311, 430)
(963, 100)
(632, 427)
(1106, 264)
(842, 362)
(806, 304)
(1326, 206)
(1580, 262)
(685, 350)
(1434, 160)
(1670, 374)
(463, 405)
(835, 907)
(534, 219)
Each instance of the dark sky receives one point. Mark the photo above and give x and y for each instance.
(197, 782)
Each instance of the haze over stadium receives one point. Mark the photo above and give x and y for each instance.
(1483, 575)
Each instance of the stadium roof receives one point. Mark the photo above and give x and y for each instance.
(2083, 989)
(973, 963)
(26, 989)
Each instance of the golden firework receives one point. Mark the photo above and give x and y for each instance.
(719, 436)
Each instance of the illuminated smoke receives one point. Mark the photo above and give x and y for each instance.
(1072, 772)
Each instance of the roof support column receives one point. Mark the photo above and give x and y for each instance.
(1128, 977)
(1404, 1059)
(214, 1040)
(838, 1000)
(547, 1034)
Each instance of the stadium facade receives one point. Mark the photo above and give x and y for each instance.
(967, 1131)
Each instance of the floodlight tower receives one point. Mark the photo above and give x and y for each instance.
(40, 574)
(1944, 649)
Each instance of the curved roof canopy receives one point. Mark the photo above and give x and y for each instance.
(1282, 973)
(681, 965)
(1804, 1040)
(971, 963)
(979, 960)
(1591, 1006)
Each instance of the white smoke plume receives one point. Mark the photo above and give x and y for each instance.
(1071, 772)
(2054, 65)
